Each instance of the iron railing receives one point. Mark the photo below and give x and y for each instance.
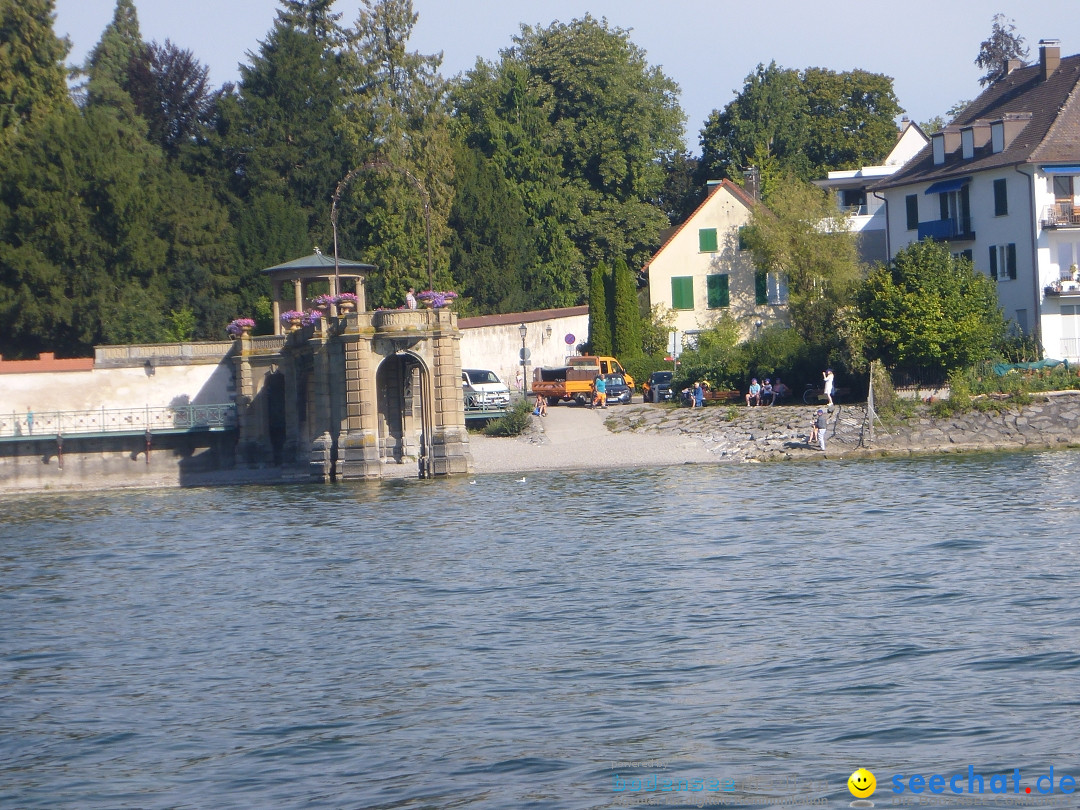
(168, 419)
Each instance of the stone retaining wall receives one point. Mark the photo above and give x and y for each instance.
(737, 433)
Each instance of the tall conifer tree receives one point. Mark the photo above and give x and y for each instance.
(599, 322)
(626, 320)
(33, 80)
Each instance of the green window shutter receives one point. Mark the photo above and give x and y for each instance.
(761, 287)
(707, 240)
(912, 203)
(1010, 260)
(1001, 198)
(682, 292)
(718, 291)
(993, 261)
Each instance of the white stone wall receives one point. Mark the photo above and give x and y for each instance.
(116, 388)
(497, 348)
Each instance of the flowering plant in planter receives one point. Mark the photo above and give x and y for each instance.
(346, 298)
(324, 300)
(312, 317)
(436, 299)
(238, 326)
(290, 315)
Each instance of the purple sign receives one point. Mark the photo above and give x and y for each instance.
(570, 340)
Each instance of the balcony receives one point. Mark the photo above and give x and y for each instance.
(1061, 215)
(956, 229)
(1063, 289)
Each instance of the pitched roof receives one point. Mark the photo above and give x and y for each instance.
(737, 192)
(1051, 134)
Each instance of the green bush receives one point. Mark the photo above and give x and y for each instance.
(515, 421)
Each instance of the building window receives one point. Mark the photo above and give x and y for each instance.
(965, 254)
(1070, 333)
(707, 240)
(997, 137)
(938, 141)
(1003, 262)
(761, 287)
(967, 143)
(912, 203)
(1001, 199)
(717, 286)
(682, 292)
(1022, 321)
(1063, 188)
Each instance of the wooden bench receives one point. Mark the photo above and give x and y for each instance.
(722, 396)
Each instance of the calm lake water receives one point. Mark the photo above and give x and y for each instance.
(499, 644)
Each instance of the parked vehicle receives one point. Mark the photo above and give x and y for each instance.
(618, 392)
(658, 387)
(483, 389)
(574, 380)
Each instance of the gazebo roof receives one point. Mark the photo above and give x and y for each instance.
(319, 261)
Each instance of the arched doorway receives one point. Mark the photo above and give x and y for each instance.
(403, 420)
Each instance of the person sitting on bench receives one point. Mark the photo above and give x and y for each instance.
(754, 394)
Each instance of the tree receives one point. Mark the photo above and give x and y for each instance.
(581, 126)
(33, 81)
(929, 311)
(397, 117)
(599, 323)
(996, 50)
(171, 92)
(492, 246)
(803, 237)
(626, 318)
(809, 123)
(109, 63)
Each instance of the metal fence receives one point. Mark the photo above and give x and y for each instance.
(168, 419)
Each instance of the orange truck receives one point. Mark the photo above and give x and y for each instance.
(574, 380)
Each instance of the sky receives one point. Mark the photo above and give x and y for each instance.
(708, 47)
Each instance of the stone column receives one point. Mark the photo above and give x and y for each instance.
(450, 439)
(358, 441)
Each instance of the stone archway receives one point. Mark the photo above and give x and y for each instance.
(403, 422)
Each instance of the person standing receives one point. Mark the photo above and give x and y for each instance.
(410, 298)
(827, 375)
(699, 395)
(821, 426)
(600, 387)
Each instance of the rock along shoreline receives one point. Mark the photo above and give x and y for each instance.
(643, 435)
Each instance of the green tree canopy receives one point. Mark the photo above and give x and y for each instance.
(626, 317)
(580, 122)
(33, 80)
(599, 320)
(810, 122)
(803, 237)
(930, 311)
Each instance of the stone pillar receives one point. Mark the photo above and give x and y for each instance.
(298, 295)
(358, 441)
(248, 429)
(321, 449)
(450, 439)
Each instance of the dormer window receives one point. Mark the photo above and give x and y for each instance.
(938, 139)
(997, 137)
(967, 142)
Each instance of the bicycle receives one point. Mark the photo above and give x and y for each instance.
(813, 394)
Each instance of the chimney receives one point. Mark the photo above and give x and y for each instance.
(1013, 64)
(1049, 56)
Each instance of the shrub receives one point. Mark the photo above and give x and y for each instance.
(515, 421)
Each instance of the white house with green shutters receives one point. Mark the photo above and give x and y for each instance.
(702, 272)
(1001, 185)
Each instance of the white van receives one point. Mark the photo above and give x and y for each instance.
(483, 388)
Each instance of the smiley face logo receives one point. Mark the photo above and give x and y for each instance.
(862, 783)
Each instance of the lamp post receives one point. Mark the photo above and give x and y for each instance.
(425, 201)
(523, 330)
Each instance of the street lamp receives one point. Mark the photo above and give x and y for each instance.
(523, 330)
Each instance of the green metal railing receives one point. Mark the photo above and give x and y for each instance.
(118, 421)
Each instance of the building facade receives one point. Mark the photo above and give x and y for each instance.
(998, 184)
(702, 272)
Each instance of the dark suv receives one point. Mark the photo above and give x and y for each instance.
(658, 387)
(617, 390)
